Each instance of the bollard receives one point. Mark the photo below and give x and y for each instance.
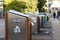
(16, 27)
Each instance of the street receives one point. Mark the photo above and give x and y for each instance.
(55, 29)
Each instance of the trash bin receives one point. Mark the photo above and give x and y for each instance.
(33, 22)
(44, 20)
(47, 18)
(16, 26)
(37, 23)
(38, 32)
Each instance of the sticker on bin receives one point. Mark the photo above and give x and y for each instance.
(17, 29)
(16, 20)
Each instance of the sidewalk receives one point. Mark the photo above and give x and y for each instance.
(2, 29)
(56, 28)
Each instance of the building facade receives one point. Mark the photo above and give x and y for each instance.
(49, 3)
(54, 6)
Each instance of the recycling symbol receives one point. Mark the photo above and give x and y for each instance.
(17, 29)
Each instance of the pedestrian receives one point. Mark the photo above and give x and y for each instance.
(54, 15)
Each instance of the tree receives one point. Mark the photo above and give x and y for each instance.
(16, 5)
(31, 6)
(4, 5)
(26, 5)
(41, 5)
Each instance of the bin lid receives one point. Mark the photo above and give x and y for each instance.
(39, 15)
(17, 13)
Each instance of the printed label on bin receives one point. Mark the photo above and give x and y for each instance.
(16, 20)
(17, 29)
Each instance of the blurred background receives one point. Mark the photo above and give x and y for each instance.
(28, 6)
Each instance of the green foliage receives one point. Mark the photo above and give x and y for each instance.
(31, 6)
(27, 6)
(16, 5)
(41, 5)
(43, 10)
(4, 5)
